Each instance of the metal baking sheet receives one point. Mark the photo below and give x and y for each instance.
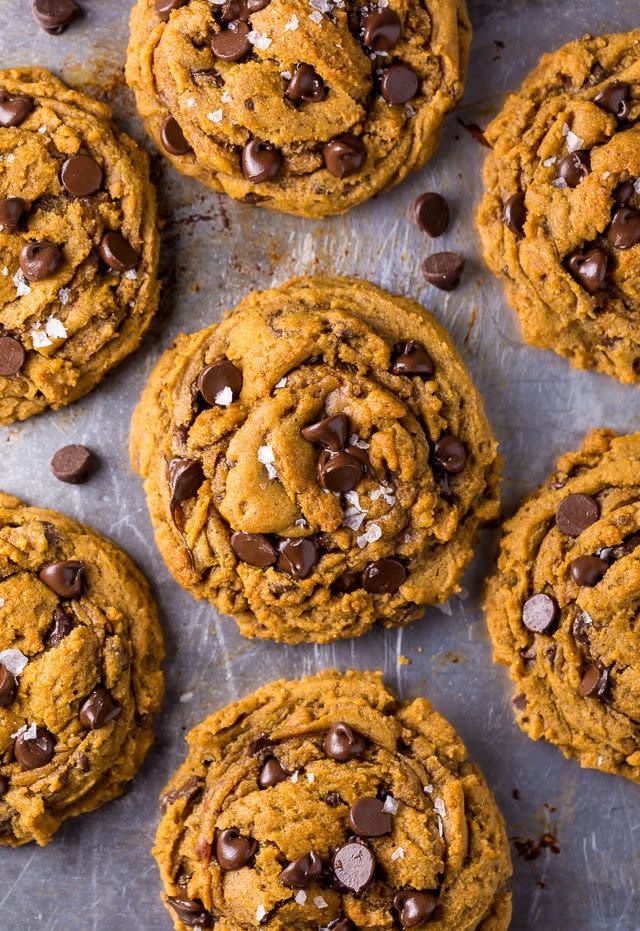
(98, 873)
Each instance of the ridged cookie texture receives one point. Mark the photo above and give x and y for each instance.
(317, 462)
(563, 606)
(327, 803)
(78, 243)
(80, 678)
(305, 107)
(560, 220)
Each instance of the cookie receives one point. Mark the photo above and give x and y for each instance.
(308, 108)
(560, 220)
(317, 462)
(326, 802)
(80, 679)
(78, 243)
(563, 607)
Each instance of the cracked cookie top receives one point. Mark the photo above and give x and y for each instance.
(78, 243)
(560, 221)
(318, 461)
(563, 607)
(325, 803)
(80, 679)
(304, 106)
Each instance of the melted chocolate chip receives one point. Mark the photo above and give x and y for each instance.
(443, 270)
(187, 790)
(191, 912)
(232, 44)
(61, 627)
(414, 907)
(55, 15)
(367, 818)
(172, 137)
(342, 924)
(81, 176)
(34, 752)
(117, 253)
(354, 866)
(12, 356)
(589, 268)
(381, 30)
(8, 687)
(339, 472)
(616, 99)
(575, 513)
(260, 161)
(330, 433)
(624, 231)
(449, 454)
(185, 478)
(11, 210)
(73, 464)
(272, 773)
(234, 10)
(342, 744)
(430, 213)
(40, 260)
(217, 378)
(14, 109)
(306, 85)
(399, 84)
(514, 213)
(302, 872)
(383, 577)
(587, 571)
(575, 167)
(595, 681)
(297, 557)
(344, 155)
(64, 578)
(164, 8)
(254, 549)
(539, 613)
(234, 850)
(412, 359)
(98, 709)
(624, 192)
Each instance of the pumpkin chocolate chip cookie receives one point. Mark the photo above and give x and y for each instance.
(563, 607)
(560, 221)
(305, 107)
(328, 803)
(78, 243)
(80, 679)
(317, 462)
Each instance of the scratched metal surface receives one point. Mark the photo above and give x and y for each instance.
(98, 873)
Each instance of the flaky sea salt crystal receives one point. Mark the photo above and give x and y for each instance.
(311, 777)
(353, 519)
(410, 111)
(5, 271)
(63, 296)
(356, 440)
(215, 116)
(353, 498)
(292, 25)
(301, 522)
(190, 102)
(131, 274)
(316, 17)
(440, 827)
(21, 284)
(391, 805)
(259, 40)
(372, 533)
(261, 912)
(565, 129)
(20, 731)
(286, 75)
(559, 182)
(636, 185)
(300, 897)
(548, 162)
(295, 776)
(574, 142)
(42, 130)
(39, 338)
(427, 789)
(31, 732)
(320, 902)
(605, 175)
(226, 97)
(13, 660)
(224, 397)
(398, 854)
(55, 328)
(440, 807)
(323, 6)
(2, 602)
(266, 457)
(282, 383)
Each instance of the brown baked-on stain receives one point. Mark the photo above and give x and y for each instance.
(530, 849)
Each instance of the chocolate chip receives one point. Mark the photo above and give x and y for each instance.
(383, 577)
(595, 681)
(73, 464)
(589, 268)
(297, 557)
(232, 44)
(64, 578)
(342, 744)
(40, 260)
(185, 478)
(579, 629)
(34, 752)
(272, 773)
(575, 167)
(172, 137)
(514, 213)
(12, 356)
(381, 30)
(253, 548)
(368, 818)
(8, 686)
(449, 454)
(354, 866)
(232, 10)
(344, 155)
(330, 433)
(164, 8)
(306, 84)
(624, 231)
(339, 472)
(398, 84)
(233, 849)
(430, 213)
(116, 252)
(217, 378)
(191, 912)
(625, 548)
(616, 99)
(302, 872)
(341, 924)
(4, 785)
(187, 790)
(260, 161)
(260, 743)
(443, 270)
(587, 571)
(81, 176)
(61, 627)
(575, 513)
(98, 709)
(11, 210)
(624, 192)
(55, 15)
(539, 613)
(412, 358)
(414, 907)
(14, 109)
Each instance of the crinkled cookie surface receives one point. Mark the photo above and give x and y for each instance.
(563, 607)
(318, 461)
(80, 679)
(305, 107)
(560, 221)
(78, 243)
(327, 803)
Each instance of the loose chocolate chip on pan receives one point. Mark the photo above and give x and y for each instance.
(354, 866)
(339, 472)
(330, 433)
(81, 176)
(575, 167)
(260, 161)
(383, 577)
(272, 773)
(306, 85)
(302, 872)
(233, 849)
(98, 709)
(185, 477)
(254, 549)
(575, 513)
(616, 99)
(220, 383)
(232, 43)
(64, 578)
(12, 356)
(73, 464)
(55, 15)
(624, 231)
(430, 213)
(595, 681)
(342, 744)
(368, 818)
(398, 84)
(40, 260)
(624, 192)
(539, 613)
(414, 907)
(164, 8)
(297, 557)
(172, 137)
(449, 454)
(344, 155)
(412, 359)
(117, 253)
(443, 270)
(191, 912)
(33, 750)
(514, 213)
(11, 210)
(14, 109)
(587, 571)
(381, 30)
(8, 686)
(61, 627)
